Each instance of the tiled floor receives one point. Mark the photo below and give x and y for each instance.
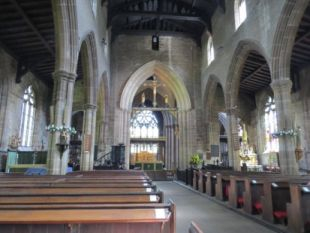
(210, 216)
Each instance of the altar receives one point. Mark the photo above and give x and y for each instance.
(146, 161)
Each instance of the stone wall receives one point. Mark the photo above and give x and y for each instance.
(182, 55)
(12, 100)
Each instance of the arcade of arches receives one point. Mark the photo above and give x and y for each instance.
(218, 79)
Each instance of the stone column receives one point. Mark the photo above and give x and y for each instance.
(233, 139)
(87, 156)
(282, 97)
(60, 114)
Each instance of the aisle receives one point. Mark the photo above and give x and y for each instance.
(211, 217)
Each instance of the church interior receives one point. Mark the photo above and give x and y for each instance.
(111, 110)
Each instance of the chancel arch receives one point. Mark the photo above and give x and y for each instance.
(172, 90)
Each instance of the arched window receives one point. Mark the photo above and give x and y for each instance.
(27, 119)
(240, 12)
(272, 144)
(210, 50)
(144, 125)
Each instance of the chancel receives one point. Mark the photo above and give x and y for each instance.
(112, 112)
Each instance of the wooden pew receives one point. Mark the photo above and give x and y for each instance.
(276, 196)
(235, 191)
(77, 185)
(107, 198)
(193, 228)
(72, 191)
(109, 218)
(222, 186)
(210, 183)
(298, 210)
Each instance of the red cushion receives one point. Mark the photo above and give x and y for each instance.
(280, 214)
(240, 200)
(258, 205)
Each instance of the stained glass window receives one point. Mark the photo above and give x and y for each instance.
(27, 119)
(272, 144)
(144, 125)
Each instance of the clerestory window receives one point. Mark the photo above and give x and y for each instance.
(210, 50)
(240, 12)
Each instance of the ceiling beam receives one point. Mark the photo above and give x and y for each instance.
(160, 15)
(255, 72)
(160, 33)
(32, 26)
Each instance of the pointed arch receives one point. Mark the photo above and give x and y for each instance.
(236, 67)
(285, 34)
(89, 58)
(165, 75)
(212, 109)
(66, 36)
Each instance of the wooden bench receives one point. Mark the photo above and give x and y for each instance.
(106, 198)
(193, 228)
(210, 182)
(276, 196)
(72, 191)
(109, 218)
(298, 210)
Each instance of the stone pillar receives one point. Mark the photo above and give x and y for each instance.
(89, 128)
(233, 139)
(282, 97)
(186, 138)
(60, 114)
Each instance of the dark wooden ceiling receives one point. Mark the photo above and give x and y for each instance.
(27, 34)
(255, 74)
(162, 17)
(301, 51)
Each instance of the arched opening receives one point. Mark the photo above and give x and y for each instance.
(216, 135)
(246, 107)
(157, 88)
(84, 100)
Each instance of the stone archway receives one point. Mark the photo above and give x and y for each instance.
(90, 76)
(214, 103)
(282, 48)
(174, 83)
(231, 94)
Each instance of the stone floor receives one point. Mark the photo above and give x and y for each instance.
(210, 216)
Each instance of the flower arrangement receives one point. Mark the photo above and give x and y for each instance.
(62, 129)
(195, 160)
(284, 132)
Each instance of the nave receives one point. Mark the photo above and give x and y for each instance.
(209, 215)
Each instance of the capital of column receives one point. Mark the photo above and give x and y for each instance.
(231, 110)
(90, 106)
(282, 85)
(64, 75)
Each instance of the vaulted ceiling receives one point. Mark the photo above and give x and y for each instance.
(162, 17)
